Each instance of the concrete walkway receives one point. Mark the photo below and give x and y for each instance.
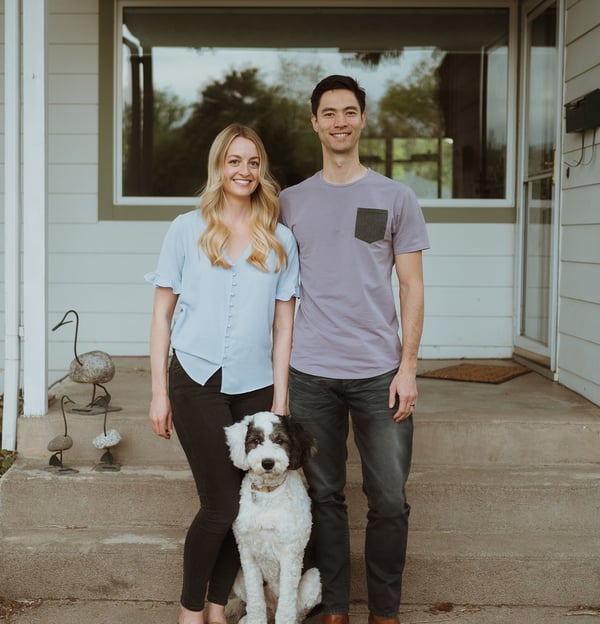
(104, 612)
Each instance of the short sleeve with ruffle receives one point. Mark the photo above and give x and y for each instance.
(171, 260)
(288, 285)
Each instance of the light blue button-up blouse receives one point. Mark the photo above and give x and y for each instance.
(224, 317)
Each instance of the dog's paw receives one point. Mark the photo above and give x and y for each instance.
(309, 591)
(235, 610)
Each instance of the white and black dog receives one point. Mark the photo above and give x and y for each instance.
(274, 521)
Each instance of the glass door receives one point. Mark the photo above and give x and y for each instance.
(538, 206)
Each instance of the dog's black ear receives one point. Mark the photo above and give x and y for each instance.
(302, 445)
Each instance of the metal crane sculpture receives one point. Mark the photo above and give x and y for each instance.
(60, 443)
(107, 440)
(95, 367)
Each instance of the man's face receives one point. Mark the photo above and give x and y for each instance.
(338, 121)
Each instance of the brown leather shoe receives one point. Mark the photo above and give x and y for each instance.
(375, 619)
(335, 618)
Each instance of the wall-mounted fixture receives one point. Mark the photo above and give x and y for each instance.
(584, 112)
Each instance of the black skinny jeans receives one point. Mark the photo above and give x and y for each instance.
(200, 413)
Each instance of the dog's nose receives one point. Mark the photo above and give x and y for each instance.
(267, 464)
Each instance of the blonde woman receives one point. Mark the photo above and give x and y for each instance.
(225, 290)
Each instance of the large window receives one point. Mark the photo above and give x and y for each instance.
(436, 80)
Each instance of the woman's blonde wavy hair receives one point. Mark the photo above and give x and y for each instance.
(264, 200)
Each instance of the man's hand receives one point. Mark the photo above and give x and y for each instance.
(403, 390)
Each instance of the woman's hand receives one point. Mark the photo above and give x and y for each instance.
(161, 417)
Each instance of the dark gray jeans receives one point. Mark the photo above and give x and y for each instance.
(322, 405)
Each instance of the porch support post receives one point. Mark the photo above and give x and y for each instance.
(35, 346)
(12, 221)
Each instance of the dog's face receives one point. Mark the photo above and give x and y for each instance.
(268, 444)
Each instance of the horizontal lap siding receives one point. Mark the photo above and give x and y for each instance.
(581, 320)
(98, 270)
(469, 273)
(94, 267)
(579, 306)
(580, 282)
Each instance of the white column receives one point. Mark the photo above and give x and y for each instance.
(35, 347)
(12, 221)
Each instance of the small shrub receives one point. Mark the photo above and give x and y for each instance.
(6, 460)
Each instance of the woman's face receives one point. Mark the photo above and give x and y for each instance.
(241, 171)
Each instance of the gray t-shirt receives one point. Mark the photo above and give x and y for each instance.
(346, 326)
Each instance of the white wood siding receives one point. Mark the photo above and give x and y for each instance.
(94, 267)
(469, 275)
(579, 293)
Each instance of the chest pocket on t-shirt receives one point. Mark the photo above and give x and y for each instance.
(370, 224)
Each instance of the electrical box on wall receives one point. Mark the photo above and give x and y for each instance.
(584, 112)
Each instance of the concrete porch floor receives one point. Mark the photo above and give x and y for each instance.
(530, 400)
(448, 417)
(130, 389)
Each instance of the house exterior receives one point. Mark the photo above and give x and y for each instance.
(503, 154)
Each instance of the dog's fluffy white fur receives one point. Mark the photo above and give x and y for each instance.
(274, 521)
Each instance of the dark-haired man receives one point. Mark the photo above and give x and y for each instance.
(353, 226)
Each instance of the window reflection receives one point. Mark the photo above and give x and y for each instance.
(436, 82)
(542, 100)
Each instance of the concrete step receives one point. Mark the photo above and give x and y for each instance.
(444, 498)
(528, 420)
(504, 492)
(506, 498)
(541, 568)
(138, 446)
(451, 438)
(505, 442)
(131, 391)
(550, 568)
(136, 495)
(155, 612)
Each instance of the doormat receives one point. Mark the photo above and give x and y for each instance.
(481, 373)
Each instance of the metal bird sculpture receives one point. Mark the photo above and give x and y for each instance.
(107, 440)
(60, 443)
(95, 367)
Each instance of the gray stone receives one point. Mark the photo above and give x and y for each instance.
(60, 443)
(96, 367)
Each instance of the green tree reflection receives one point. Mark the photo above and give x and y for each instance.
(182, 135)
(403, 138)
(406, 141)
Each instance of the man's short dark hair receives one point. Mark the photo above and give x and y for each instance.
(337, 82)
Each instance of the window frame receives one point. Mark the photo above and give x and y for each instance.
(111, 207)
